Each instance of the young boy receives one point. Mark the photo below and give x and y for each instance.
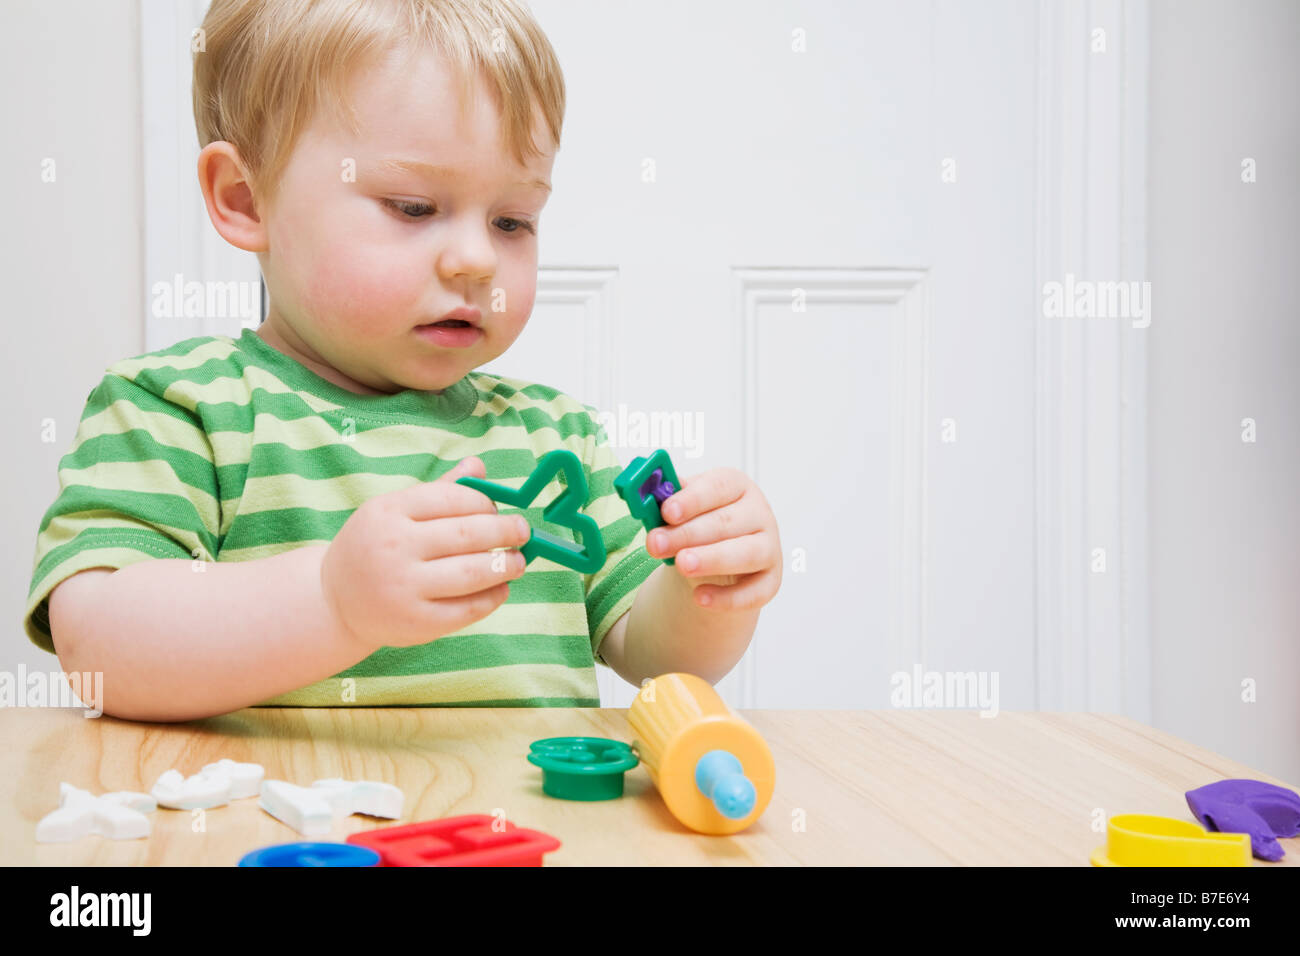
(274, 518)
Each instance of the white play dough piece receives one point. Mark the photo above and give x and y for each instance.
(139, 802)
(245, 778)
(204, 790)
(370, 797)
(116, 816)
(305, 809)
(314, 810)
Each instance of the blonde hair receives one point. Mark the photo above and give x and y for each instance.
(264, 67)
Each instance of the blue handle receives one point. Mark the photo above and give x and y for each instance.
(721, 778)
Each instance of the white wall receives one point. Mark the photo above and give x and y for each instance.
(71, 258)
(1223, 257)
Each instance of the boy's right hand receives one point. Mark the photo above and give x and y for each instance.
(411, 566)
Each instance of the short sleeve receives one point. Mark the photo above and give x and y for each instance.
(611, 590)
(139, 482)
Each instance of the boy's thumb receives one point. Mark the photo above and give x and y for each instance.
(471, 466)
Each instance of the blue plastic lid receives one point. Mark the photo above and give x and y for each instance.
(312, 854)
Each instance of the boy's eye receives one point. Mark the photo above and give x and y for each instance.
(414, 210)
(418, 210)
(519, 224)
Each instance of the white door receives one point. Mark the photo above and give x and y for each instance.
(806, 240)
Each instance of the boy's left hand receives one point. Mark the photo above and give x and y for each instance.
(723, 534)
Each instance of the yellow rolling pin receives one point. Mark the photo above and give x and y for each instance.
(711, 766)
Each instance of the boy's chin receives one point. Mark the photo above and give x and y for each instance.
(431, 381)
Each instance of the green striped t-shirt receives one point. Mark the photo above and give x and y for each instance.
(223, 449)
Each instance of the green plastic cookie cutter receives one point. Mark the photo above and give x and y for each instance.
(582, 768)
(637, 483)
(563, 511)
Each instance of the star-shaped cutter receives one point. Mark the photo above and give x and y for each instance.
(563, 511)
(637, 483)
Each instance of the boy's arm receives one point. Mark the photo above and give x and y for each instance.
(666, 631)
(176, 643)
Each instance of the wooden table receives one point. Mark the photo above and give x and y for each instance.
(853, 787)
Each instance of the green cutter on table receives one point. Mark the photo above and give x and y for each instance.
(563, 511)
(582, 768)
(645, 484)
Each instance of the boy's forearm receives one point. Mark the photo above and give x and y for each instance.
(667, 632)
(176, 643)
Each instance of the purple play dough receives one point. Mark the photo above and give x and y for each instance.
(1263, 810)
(656, 486)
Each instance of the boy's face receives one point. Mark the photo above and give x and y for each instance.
(357, 261)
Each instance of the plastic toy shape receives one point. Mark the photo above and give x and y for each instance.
(473, 840)
(563, 511)
(645, 485)
(1139, 839)
(582, 768)
(1261, 810)
(314, 810)
(115, 816)
(311, 854)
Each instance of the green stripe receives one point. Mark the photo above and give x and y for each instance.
(283, 526)
(138, 445)
(91, 538)
(238, 417)
(464, 652)
(114, 388)
(629, 574)
(149, 507)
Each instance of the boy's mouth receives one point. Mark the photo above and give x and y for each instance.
(450, 333)
(461, 317)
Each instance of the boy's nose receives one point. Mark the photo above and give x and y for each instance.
(468, 255)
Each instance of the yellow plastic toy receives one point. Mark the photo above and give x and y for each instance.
(713, 769)
(1139, 839)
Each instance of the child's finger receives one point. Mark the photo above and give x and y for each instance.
(704, 492)
(471, 467)
(742, 555)
(469, 534)
(751, 591)
(463, 575)
(730, 521)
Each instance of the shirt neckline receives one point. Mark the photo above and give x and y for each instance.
(450, 405)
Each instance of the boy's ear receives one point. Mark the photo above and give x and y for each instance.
(229, 197)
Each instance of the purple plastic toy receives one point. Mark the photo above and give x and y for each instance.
(1260, 809)
(656, 487)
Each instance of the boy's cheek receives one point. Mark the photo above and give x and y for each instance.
(368, 292)
(519, 303)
